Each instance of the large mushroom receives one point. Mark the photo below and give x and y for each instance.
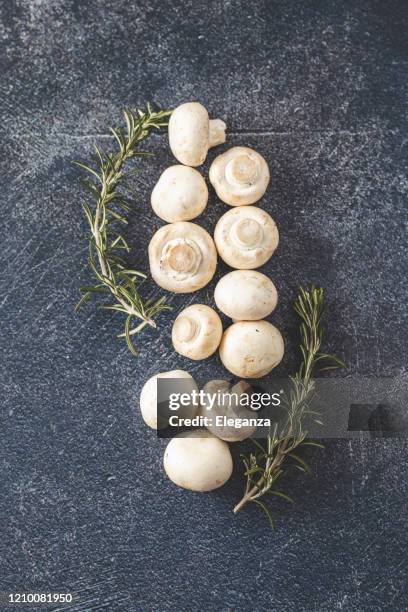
(245, 295)
(198, 461)
(197, 332)
(192, 133)
(246, 237)
(251, 349)
(180, 194)
(149, 401)
(182, 257)
(240, 176)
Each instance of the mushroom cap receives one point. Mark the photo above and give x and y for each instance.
(229, 408)
(240, 176)
(148, 396)
(180, 194)
(197, 332)
(182, 257)
(251, 349)
(245, 295)
(189, 133)
(198, 461)
(246, 237)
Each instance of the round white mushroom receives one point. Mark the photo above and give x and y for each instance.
(245, 295)
(182, 257)
(246, 237)
(192, 133)
(197, 332)
(251, 349)
(198, 461)
(180, 194)
(231, 406)
(240, 176)
(148, 397)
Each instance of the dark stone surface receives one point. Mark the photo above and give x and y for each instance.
(318, 88)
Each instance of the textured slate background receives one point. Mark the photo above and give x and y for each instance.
(319, 89)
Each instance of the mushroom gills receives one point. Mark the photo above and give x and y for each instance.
(182, 257)
(240, 176)
(246, 237)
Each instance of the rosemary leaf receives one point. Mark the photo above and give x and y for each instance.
(105, 243)
(269, 464)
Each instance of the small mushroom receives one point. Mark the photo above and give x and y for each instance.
(192, 133)
(148, 397)
(197, 332)
(198, 461)
(245, 295)
(240, 176)
(182, 257)
(230, 406)
(180, 194)
(251, 349)
(246, 237)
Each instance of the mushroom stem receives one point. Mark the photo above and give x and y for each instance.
(217, 133)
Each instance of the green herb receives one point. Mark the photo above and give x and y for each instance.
(109, 209)
(269, 463)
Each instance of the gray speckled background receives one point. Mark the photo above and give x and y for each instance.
(319, 88)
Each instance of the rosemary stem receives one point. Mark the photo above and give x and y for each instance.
(98, 239)
(248, 496)
(109, 208)
(270, 464)
(269, 467)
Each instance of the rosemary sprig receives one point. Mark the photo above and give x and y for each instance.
(268, 464)
(110, 206)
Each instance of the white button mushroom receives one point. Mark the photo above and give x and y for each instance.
(198, 461)
(148, 397)
(192, 133)
(180, 194)
(232, 407)
(246, 237)
(251, 349)
(245, 295)
(197, 332)
(240, 176)
(182, 257)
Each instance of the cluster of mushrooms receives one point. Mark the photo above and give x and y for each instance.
(183, 259)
